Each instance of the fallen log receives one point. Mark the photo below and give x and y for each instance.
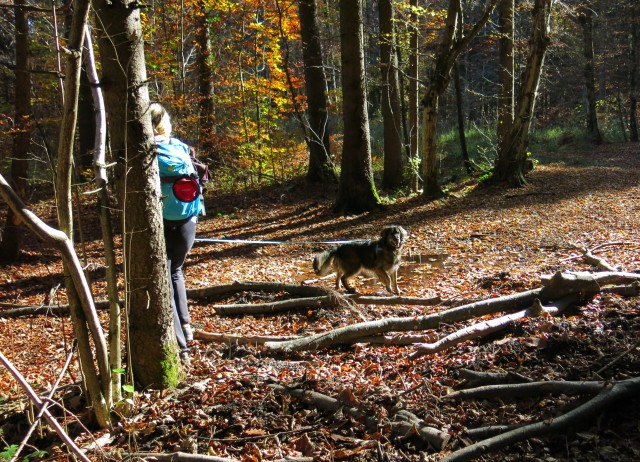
(554, 287)
(517, 390)
(484, 328)
(472, 379)
(573, 419)
(351, 334)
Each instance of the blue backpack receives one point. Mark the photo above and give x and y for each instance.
(180, 185)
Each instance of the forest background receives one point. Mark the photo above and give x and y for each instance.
(233, 77)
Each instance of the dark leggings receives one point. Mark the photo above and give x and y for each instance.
(179, 237)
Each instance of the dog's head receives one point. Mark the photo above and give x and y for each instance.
(394, 236)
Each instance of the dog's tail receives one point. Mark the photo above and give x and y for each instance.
(323, 263)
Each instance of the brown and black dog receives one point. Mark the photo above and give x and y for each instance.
(380, 258)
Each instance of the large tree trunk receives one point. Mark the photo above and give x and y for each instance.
(505, 72)
(511, 165)
(321, 166)
(391, 109)
(357, 192)
(153, 354)
(585, 18)
(13, 230)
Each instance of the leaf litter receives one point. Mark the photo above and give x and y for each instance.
(480, 242)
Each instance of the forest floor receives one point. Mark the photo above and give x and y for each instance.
(478, 243)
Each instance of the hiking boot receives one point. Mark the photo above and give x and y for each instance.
(185, 359)
(188, 332)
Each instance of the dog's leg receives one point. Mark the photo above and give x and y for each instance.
(394, 282)
(338, 277)
(345, 283)
(384, 278)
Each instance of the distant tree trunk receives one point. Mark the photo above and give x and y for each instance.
(585, 18)
(633, 81)
(391, 109)
(505, 73)
(414, 98)
(86, 123)
(153, 353)
(453, 42)
(206, 107)
(511, 165)
(357, 191)
(13, 230)
(321, 166)
(460, 113)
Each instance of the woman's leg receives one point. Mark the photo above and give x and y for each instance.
(179, 241)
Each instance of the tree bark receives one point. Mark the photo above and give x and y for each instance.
(414, 98)
(634, 43)
(511, 164)
(585, 18)
(98, 385)
(505, 72)
(452, 43)
(13, 230)
(153, 354)
(317, 132)
(206, 106)
(357, 191)
(391, 108)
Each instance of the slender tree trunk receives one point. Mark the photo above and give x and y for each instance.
(98, 386)
(585, 18)
(321, 167)
(460, 113)
(357, 191)
(13, 230)
(104, 212)
(511, 165)
(391, 109)
(506, 73)
(414, 98)
(153, 350)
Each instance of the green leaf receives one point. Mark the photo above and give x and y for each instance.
(119, 370)
(128, 388)
(8, 452)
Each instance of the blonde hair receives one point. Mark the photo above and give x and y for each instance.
(160, 119)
